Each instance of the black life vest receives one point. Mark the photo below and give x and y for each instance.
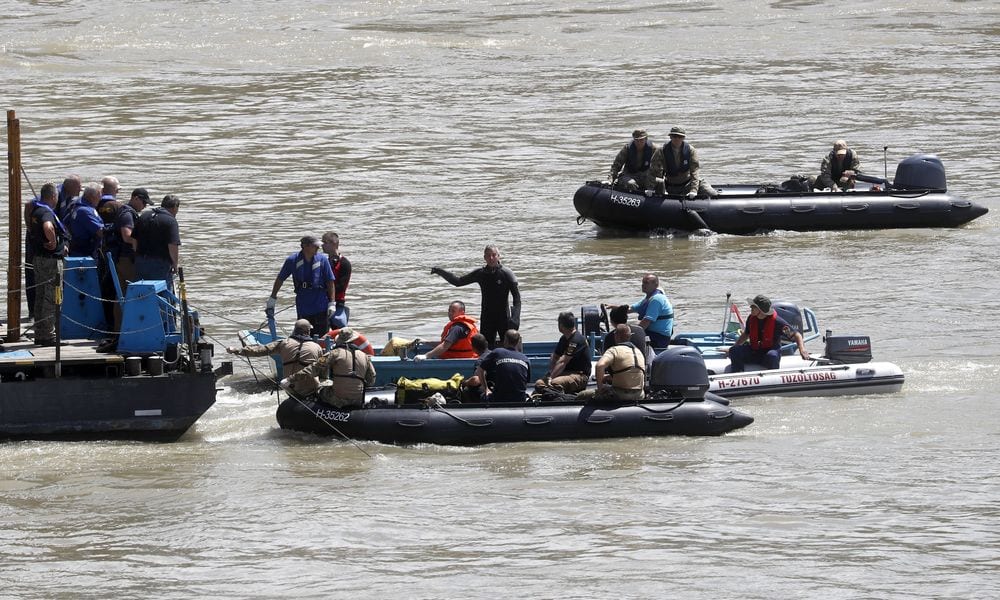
(837, 171)
(635, 163)
(672, 168)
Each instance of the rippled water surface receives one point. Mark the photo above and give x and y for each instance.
(422, 131)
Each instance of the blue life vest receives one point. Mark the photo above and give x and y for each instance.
(645, 306)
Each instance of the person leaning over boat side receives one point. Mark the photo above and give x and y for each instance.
(456, 338)
(297, 351)
(620, 372)
(85, 225)
(313, 277)
(45, 236)
(69, 194)
(341, 279)
(569, 365)
(505, 371)
(108, 207)
(656, 314)
(839, 168)
(158, 241)
(631, 169)
(347, 369)
(496, 282)
(120, 242)
(761, 341)
(677, 164)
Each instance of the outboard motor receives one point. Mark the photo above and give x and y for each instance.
(790, 313)
(590, 321)
(849, 349)
(920, 172)
(680, 372)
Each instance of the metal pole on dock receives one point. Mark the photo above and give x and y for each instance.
(14, 223)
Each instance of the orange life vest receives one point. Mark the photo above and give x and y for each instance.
(463, 347)
(360, 342)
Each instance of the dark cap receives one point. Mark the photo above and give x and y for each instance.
(308, 240)
(142, 194)
(639, 134)
(678, 131)
(762, 302)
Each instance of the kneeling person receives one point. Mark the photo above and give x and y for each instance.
(624, 368)
(297, 351)
(339, 377)
(506, 371)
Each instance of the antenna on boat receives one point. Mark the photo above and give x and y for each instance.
(885, 161)
(725, 316)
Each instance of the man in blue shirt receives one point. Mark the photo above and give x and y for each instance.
(656, 315)
(313, 276)
(85, 226)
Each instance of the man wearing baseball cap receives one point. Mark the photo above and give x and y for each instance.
(761, 342)
(630, 171)
(313, 277)
(839, 168)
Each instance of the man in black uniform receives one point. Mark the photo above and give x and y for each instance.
(569, 365)
(506, 371)
(158, 241)
(45, 237)
(496, 282)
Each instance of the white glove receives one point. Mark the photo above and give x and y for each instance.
(330, 309)
(271, 303)
(284, 383)
(420, 357)
(691, 195)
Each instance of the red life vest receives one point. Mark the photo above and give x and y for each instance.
(463, 347)
(761, 332)
(360, 342)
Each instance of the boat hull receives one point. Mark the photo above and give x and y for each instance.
(740, 210)
(811, 380)
(470, 425)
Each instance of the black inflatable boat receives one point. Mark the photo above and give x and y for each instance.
(678, 403)
(916, 197)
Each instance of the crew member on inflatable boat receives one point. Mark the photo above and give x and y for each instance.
(496, 282)
(341, 276)
(348, 369)
(676, 164)
(761, 342)
(297, 351)
(456, 338)
(620, 372)
(631, 169)
(569, 365)
(505, 371)
(314, 292)
(839, 168)
(656, 315)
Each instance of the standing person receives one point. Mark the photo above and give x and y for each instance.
(45, 236)
(839, 168)
(456, 337)
(121, 245)
(631, 169)
(342, 278)
(677, 163)
(505, 371)
(569, 365)
(496, 282)
(761, 342)
(297, 351)
(85, 226)
(656, 315)
(348, 369)
(108, 206)
(620, 372)
(158, 241)
(69, 194)
(313, 278)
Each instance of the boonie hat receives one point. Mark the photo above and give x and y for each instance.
(677, 131)
(763, 304)
(346, 335)
(840, 147)
(639, 134)
(142, 194)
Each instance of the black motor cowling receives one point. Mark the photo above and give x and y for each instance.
(680, 371)
(790, 313)
(590, 320)
(848, 348)
(920, 172)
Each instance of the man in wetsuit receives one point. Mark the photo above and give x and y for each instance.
(496, 282)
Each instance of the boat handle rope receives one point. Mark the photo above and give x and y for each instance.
(482, 423)
(666, 410)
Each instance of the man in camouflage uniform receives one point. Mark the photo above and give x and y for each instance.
(839, 168)
(339, 377)
(676, 164)
(297, 351)
(631, 169)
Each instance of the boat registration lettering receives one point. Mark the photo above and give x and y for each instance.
(332, 415)
(738, 382)
(808, 377)
(625, 200)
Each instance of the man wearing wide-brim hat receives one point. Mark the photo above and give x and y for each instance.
(676, 168)
(339, 377)
(631, 169)
(297, 351)
(839, 168)
(761, 342)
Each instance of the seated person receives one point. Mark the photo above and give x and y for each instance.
(506, 371)
(619, 316)
(620, 372)
(656, 314)
(839, 168)
(456, 338)
(569, 365)
(474, 385)
(761, 342)
(630, 170)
